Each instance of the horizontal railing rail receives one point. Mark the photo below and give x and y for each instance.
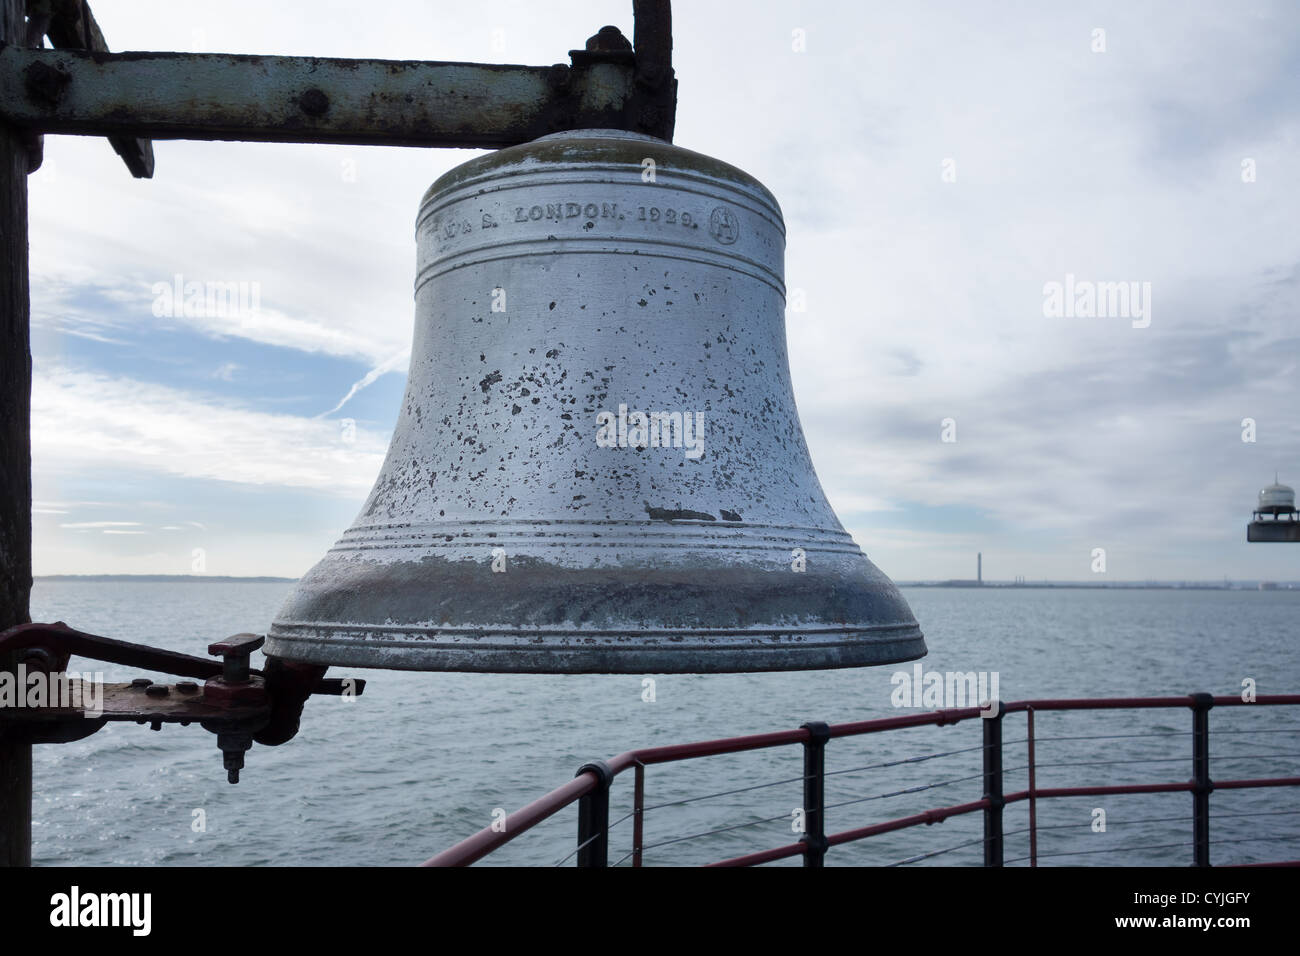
(590, 788)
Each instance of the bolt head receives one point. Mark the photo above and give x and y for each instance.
(609, 40)
(314, 102)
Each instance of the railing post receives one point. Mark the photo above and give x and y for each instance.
(593, 817)
(15, 795)
(1201, 783)
(1033, 791)
(814, 792)
(993, 785)
(638, 813)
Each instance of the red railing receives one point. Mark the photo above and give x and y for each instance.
(590, 788)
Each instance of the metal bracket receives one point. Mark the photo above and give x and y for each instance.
(238, 704)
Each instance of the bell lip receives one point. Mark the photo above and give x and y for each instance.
(698, 614)
(612, 146)
(861, 647)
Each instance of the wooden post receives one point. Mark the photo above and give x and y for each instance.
(15, 799)
(15, 456)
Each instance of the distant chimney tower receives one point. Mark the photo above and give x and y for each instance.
(979, 567)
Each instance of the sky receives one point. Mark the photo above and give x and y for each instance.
(940, 166)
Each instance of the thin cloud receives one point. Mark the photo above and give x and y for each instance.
(100, 524)
(390, 365)
(82, 418)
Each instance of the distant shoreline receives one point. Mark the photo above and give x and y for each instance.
(967, 585)
(164, 578)
(1107, 585)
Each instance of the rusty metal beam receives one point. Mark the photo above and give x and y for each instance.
(57, 643)
(70, 25)
(213, 96)
(143, 703)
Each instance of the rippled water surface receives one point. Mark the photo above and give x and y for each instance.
(422, 760)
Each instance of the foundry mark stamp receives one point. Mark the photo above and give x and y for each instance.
(724, 226)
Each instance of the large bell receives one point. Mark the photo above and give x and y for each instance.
(598, 466)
